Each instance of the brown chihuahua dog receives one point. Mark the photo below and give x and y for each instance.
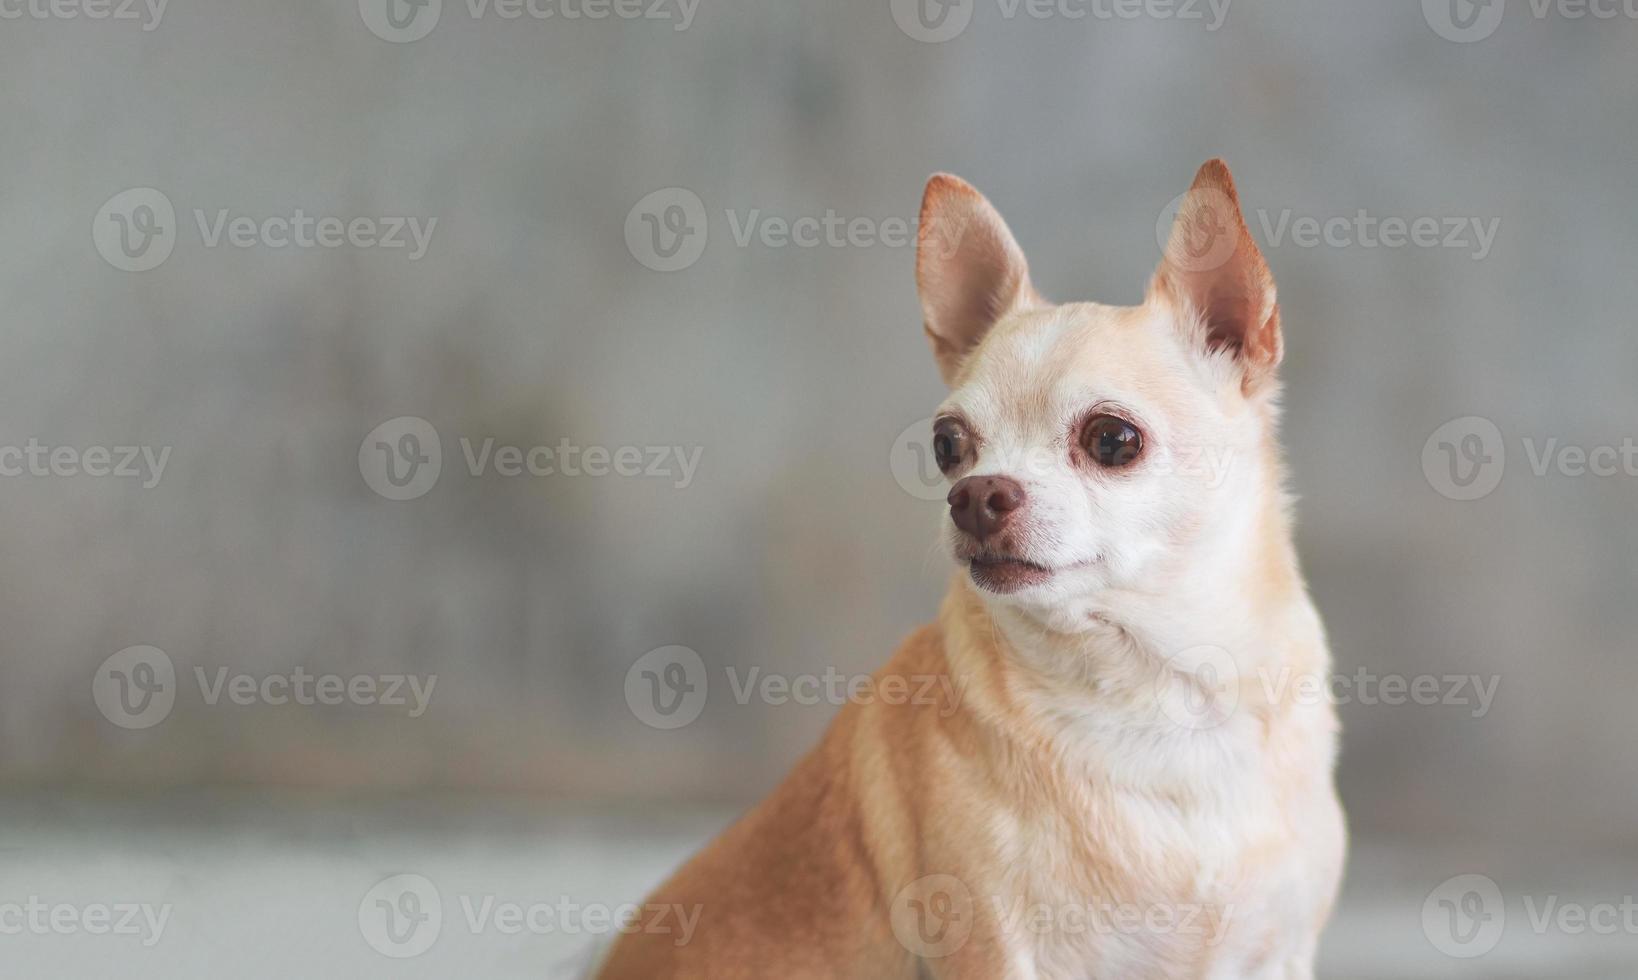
(1125, 782)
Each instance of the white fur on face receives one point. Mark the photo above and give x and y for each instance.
(1025, 394)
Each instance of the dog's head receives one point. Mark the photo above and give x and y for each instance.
(1093, 447)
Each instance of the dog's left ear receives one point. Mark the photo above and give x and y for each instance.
(970, 271)
(1213, 275)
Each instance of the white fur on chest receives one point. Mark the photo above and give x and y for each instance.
(1175, 858)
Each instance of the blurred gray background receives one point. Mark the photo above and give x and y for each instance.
(792, 371)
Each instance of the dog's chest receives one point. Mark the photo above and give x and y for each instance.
(1180, 869)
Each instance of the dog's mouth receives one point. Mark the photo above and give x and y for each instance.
(1004, 574)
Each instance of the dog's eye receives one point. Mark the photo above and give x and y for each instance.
(1111, 441)
(951, 444)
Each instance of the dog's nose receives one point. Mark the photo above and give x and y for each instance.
(982, 505)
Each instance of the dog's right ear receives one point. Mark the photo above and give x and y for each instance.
(969, 270)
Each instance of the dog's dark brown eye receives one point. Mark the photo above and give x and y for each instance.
(951, 444)
(1111, 441)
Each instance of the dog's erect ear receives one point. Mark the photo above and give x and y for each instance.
(1213, 272)
(969, 270)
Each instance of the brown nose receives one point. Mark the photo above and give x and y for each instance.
(982, 505)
